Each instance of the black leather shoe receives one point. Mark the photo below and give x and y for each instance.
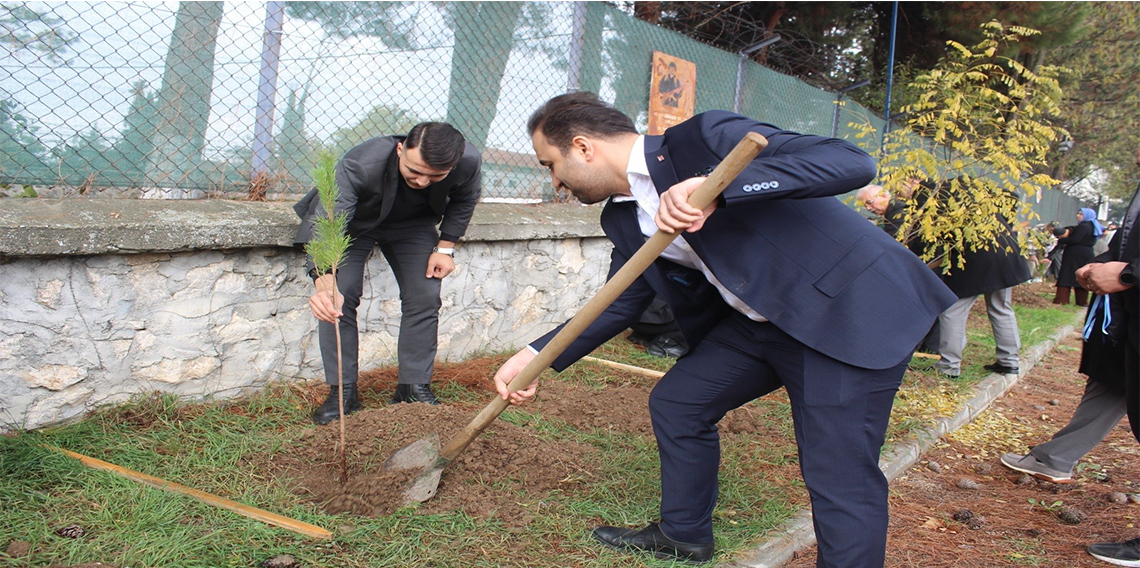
(1001, 369)
(667, 346)
(652, 540)
(414, 393)
(330, 410)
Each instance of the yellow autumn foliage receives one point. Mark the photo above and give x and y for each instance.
(992, 122)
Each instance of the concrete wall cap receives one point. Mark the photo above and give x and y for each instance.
(49, 227)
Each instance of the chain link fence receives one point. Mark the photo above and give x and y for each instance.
(194, 99)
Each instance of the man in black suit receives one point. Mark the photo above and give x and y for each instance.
(776, 284)
(395, 191)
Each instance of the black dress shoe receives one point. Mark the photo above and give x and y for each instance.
(414, 393)
(652, 540)
(667, 346)
(1001, 369)
(330, 410)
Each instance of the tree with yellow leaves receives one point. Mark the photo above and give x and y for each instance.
(977, 140)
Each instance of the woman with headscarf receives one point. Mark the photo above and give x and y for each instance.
(1078, 242)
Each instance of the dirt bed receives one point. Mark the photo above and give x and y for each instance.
(506, 473)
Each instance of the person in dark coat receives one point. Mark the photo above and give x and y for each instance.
(1078, 242)
(990, 272)
(1053, 257)
(1100, 410)
(658, 331)
(1115, 274)
(877, 200)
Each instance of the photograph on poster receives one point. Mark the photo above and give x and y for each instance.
(672, 92)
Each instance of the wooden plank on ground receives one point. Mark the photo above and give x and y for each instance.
(208, 498)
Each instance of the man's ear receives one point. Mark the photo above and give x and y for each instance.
(583, 145)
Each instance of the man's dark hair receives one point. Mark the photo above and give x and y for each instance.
(441, 145)
(562, 118)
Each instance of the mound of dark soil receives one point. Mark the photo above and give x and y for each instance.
(507, 472)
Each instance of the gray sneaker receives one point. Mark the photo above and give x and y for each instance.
(1029, 464)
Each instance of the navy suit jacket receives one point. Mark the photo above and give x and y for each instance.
(782, 243)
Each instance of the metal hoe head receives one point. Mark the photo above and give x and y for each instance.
(421, 456)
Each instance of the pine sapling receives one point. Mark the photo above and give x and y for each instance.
(327, 248)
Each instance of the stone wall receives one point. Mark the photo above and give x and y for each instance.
(103, 299)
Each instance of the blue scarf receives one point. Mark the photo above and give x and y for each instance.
(1090, 215)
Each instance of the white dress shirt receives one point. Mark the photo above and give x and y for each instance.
(679, 251)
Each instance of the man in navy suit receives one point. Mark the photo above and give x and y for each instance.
(776, 284)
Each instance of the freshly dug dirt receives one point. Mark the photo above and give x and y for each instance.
(506, 459)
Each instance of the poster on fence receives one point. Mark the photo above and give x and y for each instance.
(671, 92)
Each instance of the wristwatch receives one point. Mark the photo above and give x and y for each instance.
(447, 251)
(1127, 277)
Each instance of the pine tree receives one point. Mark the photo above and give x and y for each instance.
(327, 249)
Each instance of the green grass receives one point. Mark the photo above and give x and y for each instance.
(208, 446)
(1025, 552)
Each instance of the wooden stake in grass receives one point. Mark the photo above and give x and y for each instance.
(327, 249)
(210, 499)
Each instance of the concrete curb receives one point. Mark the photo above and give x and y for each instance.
(797, 533)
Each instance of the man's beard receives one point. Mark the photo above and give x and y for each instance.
(590, 186)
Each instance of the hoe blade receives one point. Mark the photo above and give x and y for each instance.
(423, 457)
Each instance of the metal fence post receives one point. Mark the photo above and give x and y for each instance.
(577, 39)
(738, 96)
(839, 101)
(267, 87)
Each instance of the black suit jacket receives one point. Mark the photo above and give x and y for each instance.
(367, 176)
(989, 270)
(782, 243)
(1125, 247)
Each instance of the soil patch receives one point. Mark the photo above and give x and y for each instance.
(505, 460)
(513, 471)
(1033, 295)
(973, 511)
(587, 408)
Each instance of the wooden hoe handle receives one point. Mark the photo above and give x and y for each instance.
(744, 152)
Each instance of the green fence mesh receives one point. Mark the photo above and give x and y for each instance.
(199, 98)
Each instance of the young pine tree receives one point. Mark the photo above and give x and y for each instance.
(327, 249)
